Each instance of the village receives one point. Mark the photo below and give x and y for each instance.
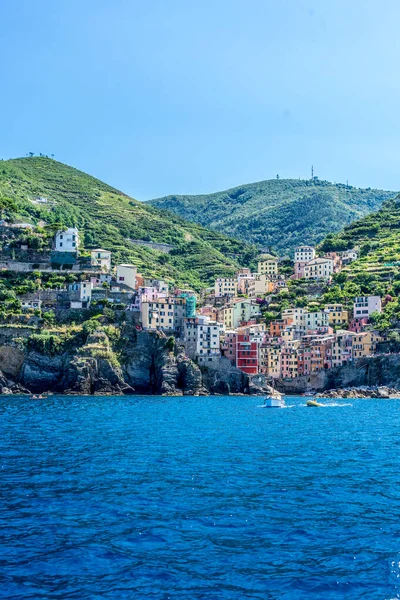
(223, 322)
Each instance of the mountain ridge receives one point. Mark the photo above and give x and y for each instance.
(278, 213)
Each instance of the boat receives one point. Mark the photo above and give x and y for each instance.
(274, 402)
(274, 399)
(313, 403)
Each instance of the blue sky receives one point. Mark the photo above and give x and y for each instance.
(194, 96)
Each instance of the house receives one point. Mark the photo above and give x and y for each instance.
(364, 306)
(313, 320)
(242, 311)
(67, 240)
(364, 344)
(358, 325)
(165, 313)
(259, 285)
(294, 315)
(126, 274)
(289, 362)
(342, 348)
(31, 303)
(225, 316)
(304, 254)
(337, 315)
(246, 354)
(101, 259)
(228, 346)
(267, 264)
(349, 256)
(225, 286)
(276, 327)
(270, 359)
(319, 268)
(201, 338)
(85, 291)
(244, 277)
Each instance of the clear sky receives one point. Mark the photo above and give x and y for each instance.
(165, 97)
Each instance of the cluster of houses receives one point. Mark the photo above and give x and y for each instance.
(229, 322)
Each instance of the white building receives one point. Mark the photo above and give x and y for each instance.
(201, 338)
(226, 286)
(101, 259)
(126, 274)
(313, 320)
(85, 291)
(295, 315)
(319, 268)
(364, 306)
(304, 254)
(67, 240)
(31, 304)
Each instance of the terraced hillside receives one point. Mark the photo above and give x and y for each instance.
(108, 218)
(278, 213)
(378, 238)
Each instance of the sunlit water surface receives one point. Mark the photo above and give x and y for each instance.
(188, 498)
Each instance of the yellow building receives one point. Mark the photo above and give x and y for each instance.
(225, 316)
(364, 344)
(267, 264)
(270, 360)
(337, 315)
(164, 313)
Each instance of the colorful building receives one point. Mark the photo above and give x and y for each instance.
(246, 354)
(267, 264)
(225, 286)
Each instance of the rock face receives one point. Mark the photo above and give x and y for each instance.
(364, 392)
(11, 359)
(148, 363)
(373, 371)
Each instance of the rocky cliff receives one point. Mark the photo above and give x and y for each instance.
(373, 371)
(143, 363)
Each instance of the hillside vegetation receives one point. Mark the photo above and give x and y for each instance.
(378, 237)
(279, 213)
(108, 218)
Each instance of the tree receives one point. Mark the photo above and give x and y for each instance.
(7, 204)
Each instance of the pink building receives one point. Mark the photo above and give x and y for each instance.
(358, 325)
(228, 346)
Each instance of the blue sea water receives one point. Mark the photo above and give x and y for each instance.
(192, 498)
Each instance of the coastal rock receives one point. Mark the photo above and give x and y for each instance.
(190, 379)
(41, 373)
(383, 392)
(11, 360)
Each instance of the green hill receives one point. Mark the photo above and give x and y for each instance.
(279, 213)
(378, 238)
(108, 218)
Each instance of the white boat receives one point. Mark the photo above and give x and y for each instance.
(274, 402)
(274, 399)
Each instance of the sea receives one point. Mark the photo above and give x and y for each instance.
(199, 498)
